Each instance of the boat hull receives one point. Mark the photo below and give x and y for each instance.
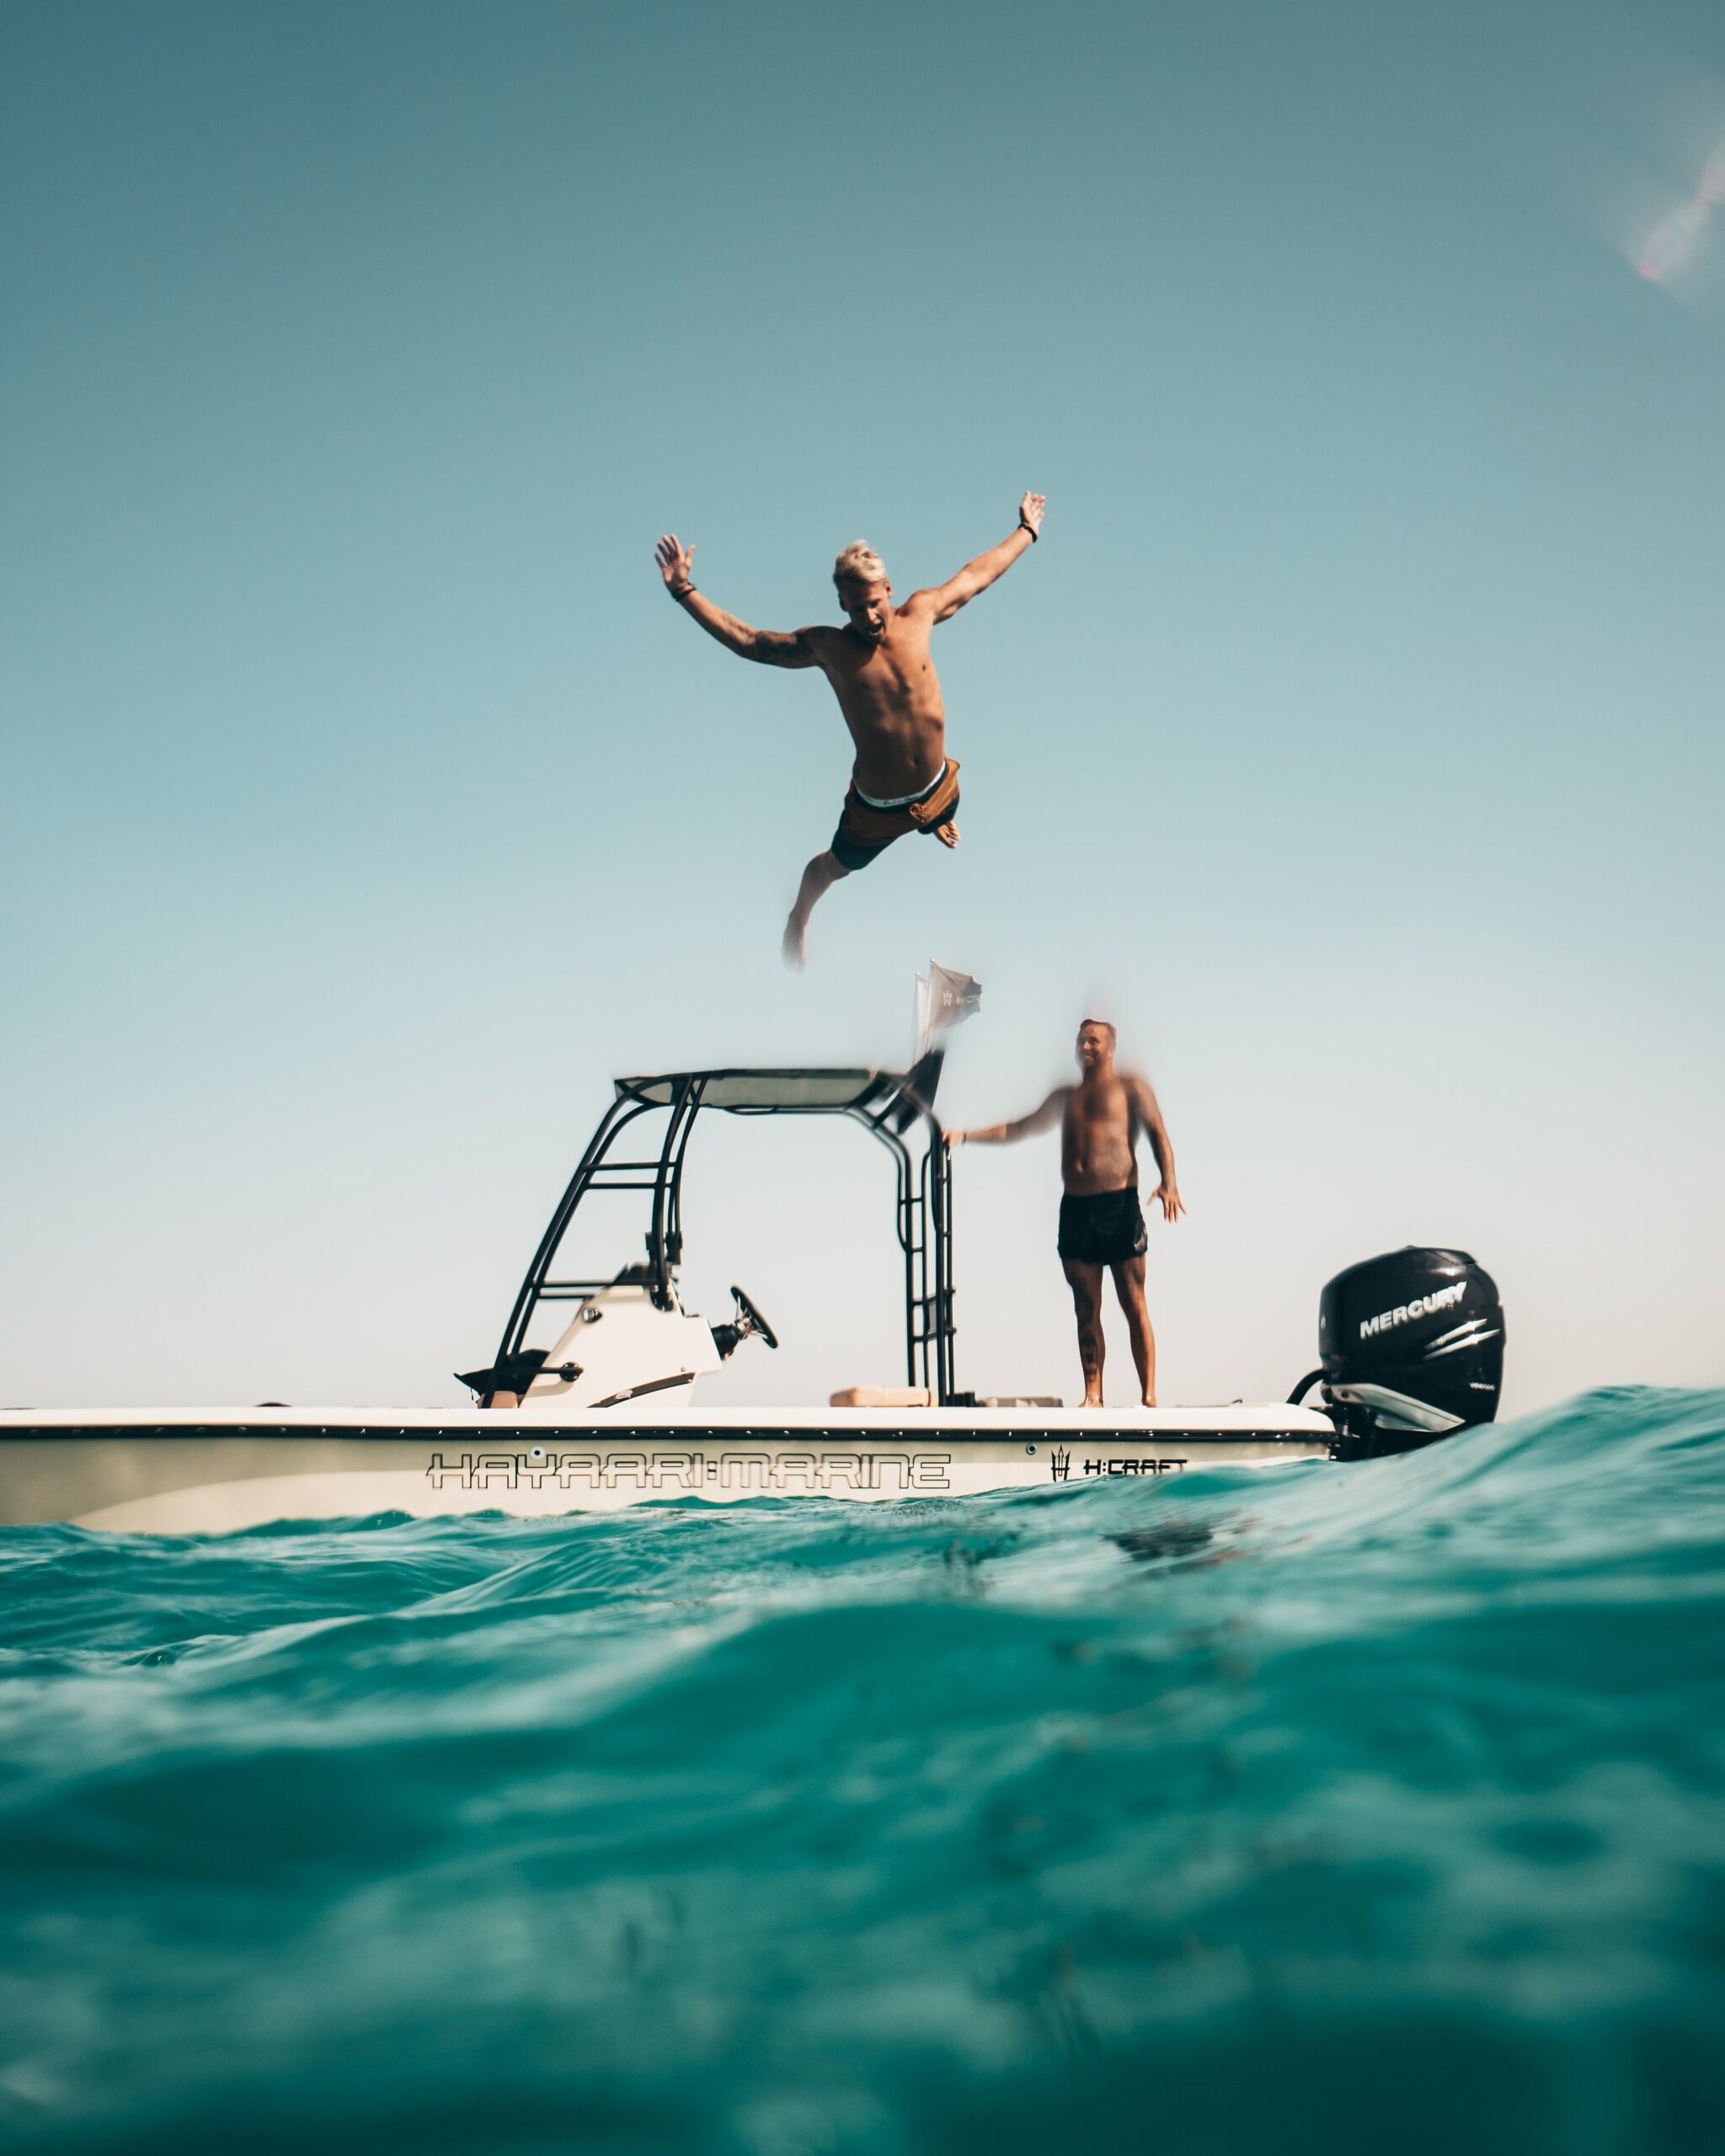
(220, 1475)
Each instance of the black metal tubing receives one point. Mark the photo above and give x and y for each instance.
(910, 1227)
(938, 1177)
(664, 1239)
(621, 1112)
(923, 1209)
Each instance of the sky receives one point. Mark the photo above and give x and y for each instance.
(1352, 737)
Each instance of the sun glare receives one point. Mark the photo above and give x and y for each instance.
(1672, 241)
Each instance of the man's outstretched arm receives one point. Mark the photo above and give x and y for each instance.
(767, 647)
(977, 576)
(1007, 1133)
(1148, 1112)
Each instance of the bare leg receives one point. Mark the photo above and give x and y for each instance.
(1086, 1283)
(1129, 1286)
(818, 879)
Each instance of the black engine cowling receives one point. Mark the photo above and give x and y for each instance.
(1412, 1348)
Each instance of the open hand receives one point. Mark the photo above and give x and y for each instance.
(1172, 1204)
(677, 561)
(1030, 511)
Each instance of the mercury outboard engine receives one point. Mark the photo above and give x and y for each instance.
(1412, 1348)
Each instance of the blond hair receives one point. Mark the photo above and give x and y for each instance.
(859, 564)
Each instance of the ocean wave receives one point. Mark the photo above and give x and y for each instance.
(1321, 1805)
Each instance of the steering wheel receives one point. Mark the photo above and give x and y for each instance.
(752, 1319)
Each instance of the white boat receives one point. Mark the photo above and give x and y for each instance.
(604, 1413)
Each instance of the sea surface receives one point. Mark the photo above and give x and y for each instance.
(1377, 1807)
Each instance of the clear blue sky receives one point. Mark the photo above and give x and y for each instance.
(1355, 733)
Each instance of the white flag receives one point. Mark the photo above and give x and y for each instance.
(944, 1000)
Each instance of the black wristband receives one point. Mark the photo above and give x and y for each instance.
(1025, 526)
(680, 590)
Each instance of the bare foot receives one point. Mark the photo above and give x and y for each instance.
(1148, 1401)
(1088, 1402)
(948, 834)
(794, 949)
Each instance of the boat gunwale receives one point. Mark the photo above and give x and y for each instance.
(500, 1431)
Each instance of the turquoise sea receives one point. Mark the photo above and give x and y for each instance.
(1310, 1809)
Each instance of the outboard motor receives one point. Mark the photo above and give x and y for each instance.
(1412, 1348)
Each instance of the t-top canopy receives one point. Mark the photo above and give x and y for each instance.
(764, 1090)
(895, 1107)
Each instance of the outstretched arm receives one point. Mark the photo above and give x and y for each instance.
(1007, 1133)
(977, 576)
(767, 647)
(1148, 1110)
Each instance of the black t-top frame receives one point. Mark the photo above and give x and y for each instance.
(897, 1107)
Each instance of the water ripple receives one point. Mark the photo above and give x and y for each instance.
(1319, 1808)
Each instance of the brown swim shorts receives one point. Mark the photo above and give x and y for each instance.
(865, 832)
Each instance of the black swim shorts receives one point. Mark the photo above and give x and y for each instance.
(1106, 1229)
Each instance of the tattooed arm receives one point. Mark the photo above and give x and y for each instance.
(767, 647)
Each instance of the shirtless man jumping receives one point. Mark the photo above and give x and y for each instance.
(880, 669)
(1101, 1224)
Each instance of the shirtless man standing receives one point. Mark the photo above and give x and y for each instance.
(880, 669)
(1101, 1224)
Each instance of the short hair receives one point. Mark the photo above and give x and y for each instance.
(859, 564)
(1105, 1024)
